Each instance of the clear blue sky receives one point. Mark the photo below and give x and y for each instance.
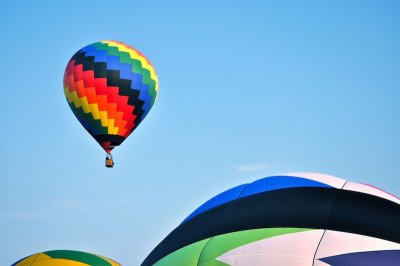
(246, 89)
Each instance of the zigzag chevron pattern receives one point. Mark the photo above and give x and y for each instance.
(110, 87)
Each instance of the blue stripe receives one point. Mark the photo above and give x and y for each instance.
(224, 197)
(371, 258)
(137, 81)
(279, 182)
(259, 186)
(112, 62)
(125, 71)
(100, 56)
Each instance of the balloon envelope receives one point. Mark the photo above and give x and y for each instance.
(65, 258)
(301, 219)
(110, 87)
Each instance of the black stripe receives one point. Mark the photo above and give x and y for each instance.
(100, 70)
(86, 61)
(318, 208)
(115, 140)
(113, 79)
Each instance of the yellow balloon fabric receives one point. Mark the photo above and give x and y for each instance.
(65, 258)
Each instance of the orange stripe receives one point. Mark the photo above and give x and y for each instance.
(111, 108)
(122, 130)
(102, 102)
(80, 89)
(91, 95)
(118, 118)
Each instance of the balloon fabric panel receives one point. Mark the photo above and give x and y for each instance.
(64, 258)
(381, 257)
(110, 88)
(262, 185)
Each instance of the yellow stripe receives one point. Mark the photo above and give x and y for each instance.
(113, 263)
(72, 97)
(134, 55)
(103, 118)
(58, 262)
(110, 126)
(66, 93)
(95, 110)
(27, 261)
(85, 104)
(92, 108)
(115, 131)
(144, 62)
(75, 99)
(42, 256)
(42, 259)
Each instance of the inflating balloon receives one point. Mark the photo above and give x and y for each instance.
(301, 219)
(65, 258)
(110, 87)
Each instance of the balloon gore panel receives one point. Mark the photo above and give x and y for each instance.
(65, 258)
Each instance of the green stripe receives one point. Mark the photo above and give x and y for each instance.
(188, 256)
(205, 252)
(101, 46)
(112, 50)
(137, 66)
(153, 93)
(124, 57)
(147, 77)
(79, 256)
(221, 244)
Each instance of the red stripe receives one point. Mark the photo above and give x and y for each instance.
(88, 78)
(69, 76)
(70, 68)
(78, 72)
(112, 93)
(106, 97)
(100, 86)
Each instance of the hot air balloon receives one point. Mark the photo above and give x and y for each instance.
(110, 87)
(302, 219)
(64, 258)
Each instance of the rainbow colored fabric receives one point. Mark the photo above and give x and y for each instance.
(110, 87)
(65, 258)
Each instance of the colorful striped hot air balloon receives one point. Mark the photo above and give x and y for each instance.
(65, 258)
(110, 87)
(301, 219)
